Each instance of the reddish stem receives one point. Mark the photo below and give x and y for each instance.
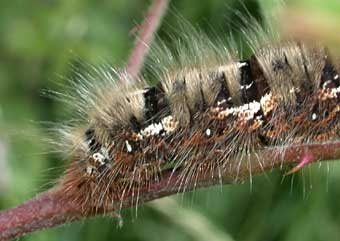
(50, 210)
(46, 210)
(145, 37)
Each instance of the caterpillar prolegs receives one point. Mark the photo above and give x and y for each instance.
(205, 118)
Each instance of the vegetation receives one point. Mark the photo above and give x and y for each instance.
(40, 41)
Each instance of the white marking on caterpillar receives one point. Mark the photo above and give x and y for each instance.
(330, 93)
(221, 102)
(246, 111)
(128, 146)
(167, 125)
(336, 77)
(324, 85)
(314, 116)
(98, 157)
(294, 90)
(152, 130)
(240, 65)
(250, 85)
(249, 110)
(208, 132)
(252, 106)
(267, 103)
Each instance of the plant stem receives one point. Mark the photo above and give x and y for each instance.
(146, 34)
(44, 211)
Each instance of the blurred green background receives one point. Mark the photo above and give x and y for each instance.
(39, 41)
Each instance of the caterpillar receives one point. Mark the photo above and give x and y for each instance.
(209, 112)
(201, 113)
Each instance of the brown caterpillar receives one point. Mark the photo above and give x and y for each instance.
(208, 112)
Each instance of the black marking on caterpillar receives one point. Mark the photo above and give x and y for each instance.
(203, 119)
(248, 86)
(92, 143)
(155, 104)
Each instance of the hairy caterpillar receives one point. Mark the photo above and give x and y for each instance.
(212, 112)
(209, 113)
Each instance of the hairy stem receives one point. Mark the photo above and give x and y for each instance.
(50, 209)
(146, 34)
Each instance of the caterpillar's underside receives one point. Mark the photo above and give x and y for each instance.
(201, 119)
